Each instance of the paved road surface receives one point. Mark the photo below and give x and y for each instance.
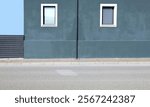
(28, 76)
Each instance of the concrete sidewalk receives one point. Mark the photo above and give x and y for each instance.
(89, 61)
(77, 60)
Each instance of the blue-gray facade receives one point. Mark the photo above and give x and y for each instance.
(79, 34)
(49, 42)
(131, 37)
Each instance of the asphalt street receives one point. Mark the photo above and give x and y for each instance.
(74, 77)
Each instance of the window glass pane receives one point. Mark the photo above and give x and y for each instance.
(49, 15)
(108, 14)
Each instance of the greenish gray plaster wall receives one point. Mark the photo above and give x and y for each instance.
(57, 42)
(131, 38)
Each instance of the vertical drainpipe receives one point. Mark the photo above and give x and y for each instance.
(77, 42)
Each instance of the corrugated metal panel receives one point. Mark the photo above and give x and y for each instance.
(11, 47)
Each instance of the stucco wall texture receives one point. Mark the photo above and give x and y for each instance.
(131, 37)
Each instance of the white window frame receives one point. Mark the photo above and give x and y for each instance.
(115, 15)
(56, 13)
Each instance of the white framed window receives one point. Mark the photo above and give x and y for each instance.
(49, 15)
(108, 15)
